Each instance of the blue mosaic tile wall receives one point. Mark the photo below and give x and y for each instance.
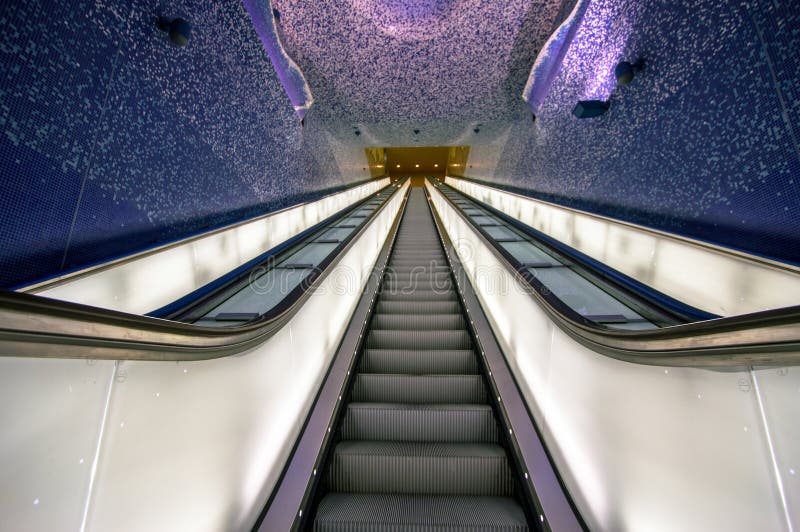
(114, 140)
(703, 143)
(416, 72)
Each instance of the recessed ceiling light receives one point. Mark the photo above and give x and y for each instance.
(436, 166)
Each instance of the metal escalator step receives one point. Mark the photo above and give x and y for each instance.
(391, 275)
(456, 361)
(419, 443)
(427, 261)
(420, 468)
(418, 389)
(417, 307)
(418, 254)
(411, 283)
(364, 512)
(421, 261)
(419, 295)
(405, 269)
(411, 339)
(418, 322)
(456, 423)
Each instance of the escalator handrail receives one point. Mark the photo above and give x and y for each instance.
(37, 327)
(765, 262)
(770, 337)
(52, 282)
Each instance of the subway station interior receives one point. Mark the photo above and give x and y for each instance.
(400, 265)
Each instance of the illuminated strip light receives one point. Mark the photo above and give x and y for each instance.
(212, 434)
(714, 279)
(153, 279)
(692, 426)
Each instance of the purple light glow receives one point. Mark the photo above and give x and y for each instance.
(596, 49)
(599, 47)
(290, 75)
(550, 58)
(585, 48)
(408, 19)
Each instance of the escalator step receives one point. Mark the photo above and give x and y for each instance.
(376, 387)
(420, 468)
(424, 258)
(411, 283)
(418, 443)
(418, 261)
(418, 269)
(461, 361)
(420, 295)
(417, 307)
(362, 512)
(402, 339)
(417, 276)
(456, 423)
(418, 322)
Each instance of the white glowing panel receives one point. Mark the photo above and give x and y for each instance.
(51, 414)
(639, 447)
(704, 277)
(199, 446)
(132, 446)
(154, 279)
(779, 390)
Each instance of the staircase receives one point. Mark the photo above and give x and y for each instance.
(419, 445)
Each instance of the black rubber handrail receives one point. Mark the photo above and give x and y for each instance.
(32, 326)
(52, 282)
(37, 327)
(770, 337)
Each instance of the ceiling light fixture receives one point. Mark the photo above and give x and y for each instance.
(590, 108)
(625, 71)
(178, 29)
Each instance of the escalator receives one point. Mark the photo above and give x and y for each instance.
(420, 445)
(391, 407)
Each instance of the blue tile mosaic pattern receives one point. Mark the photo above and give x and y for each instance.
(114, 140)
(441, 67)
(703, 143)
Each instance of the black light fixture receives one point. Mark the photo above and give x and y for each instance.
(625, 71)
(179, 30)
(591, 108)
